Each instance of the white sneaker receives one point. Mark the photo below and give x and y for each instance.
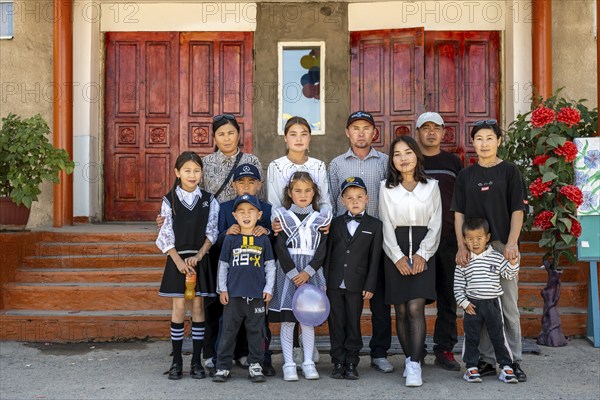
(289, 372)
(255, 373)
(208, 363)
(507, 375)
(413, 374)
(309, 370)
(242, 362)
(298, 356)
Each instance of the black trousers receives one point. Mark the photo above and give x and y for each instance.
(251, 313)
(445, 334)
(344, 326)
(488, 314)
(381, 321)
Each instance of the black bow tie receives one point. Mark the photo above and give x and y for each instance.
(349, 218)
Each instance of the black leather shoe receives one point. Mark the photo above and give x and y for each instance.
(338, 371)
(212, 371)
(351, 373)
(268, 370)
(519, 373)
(197, 371)
(486, 369)
(175, 372)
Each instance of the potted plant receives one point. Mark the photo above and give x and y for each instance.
(26, 159)
(541, 143)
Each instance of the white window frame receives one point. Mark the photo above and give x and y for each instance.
(281, 46)
(9, 37)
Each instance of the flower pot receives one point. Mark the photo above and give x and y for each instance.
(11, 215)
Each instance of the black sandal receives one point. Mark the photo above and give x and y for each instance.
(175, 372)
(197, 371)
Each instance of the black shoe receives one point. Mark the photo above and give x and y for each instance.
(197, 371)
(338, 371)
(175, 372)
(268, 370)
(212, 371)
(351, 373)
(519, 373)
(486, 369)
(445, 360)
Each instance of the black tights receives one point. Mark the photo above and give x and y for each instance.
(411, 327)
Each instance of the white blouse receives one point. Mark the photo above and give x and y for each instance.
(166, 237)
(421, 207)
(281, 170)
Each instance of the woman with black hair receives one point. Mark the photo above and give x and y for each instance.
(410, 208)
(493, 189)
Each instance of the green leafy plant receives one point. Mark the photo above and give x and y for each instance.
(540, 143)
(27, 158)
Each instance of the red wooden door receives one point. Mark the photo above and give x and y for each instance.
(142, 122)
(387, 75)
(462, 76)
(398, 74)
(162, 90)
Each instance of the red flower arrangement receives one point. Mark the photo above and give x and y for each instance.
(572, 193)
(541, 160)
(543, 220)
(569, 116)
(538, 188)
(568, 150)
(542, 116)
(575, 228)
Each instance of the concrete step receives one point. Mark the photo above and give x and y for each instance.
(97, 261)
(83, 275)
(75, 326)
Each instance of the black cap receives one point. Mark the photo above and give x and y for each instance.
(246, 198)
(246, 170)
(353, 181)
(358, 115)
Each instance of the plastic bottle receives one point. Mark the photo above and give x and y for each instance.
(190, 286)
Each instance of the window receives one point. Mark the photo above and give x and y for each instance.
(6, 19)
(301, 84)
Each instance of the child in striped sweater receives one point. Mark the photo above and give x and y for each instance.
(477, 290)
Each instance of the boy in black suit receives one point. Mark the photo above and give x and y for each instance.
(354, 248)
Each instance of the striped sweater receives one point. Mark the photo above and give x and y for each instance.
(480, 279)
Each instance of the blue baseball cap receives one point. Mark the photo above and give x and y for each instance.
(353, 181)
(360, 115)
(245, 170)
(247, 198)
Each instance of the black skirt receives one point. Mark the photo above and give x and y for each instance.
(402, 288)
(173, 281)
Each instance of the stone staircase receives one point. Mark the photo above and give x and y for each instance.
(100, 284)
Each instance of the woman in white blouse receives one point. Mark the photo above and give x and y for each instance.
(297, 139)
(410, 208)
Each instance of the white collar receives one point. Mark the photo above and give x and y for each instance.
(483, 254)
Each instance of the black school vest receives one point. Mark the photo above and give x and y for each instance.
(189, 225)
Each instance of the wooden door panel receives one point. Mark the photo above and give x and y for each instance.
(142, 121)
(387, 79)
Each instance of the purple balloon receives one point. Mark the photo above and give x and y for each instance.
(310, 305)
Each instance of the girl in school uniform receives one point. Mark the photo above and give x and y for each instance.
(189, 230)
(300, 249)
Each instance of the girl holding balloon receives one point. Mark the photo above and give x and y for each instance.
(300, 249)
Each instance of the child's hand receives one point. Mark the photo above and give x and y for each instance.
(301, 278)
(233, 230)
(418, 264)
(325, 229)
(259, 231)
(470, 309)
(276, 226)
(224, 298)
(160, 220)
(403, 267)
(184, 267)
(367, 295)
(191, 261)
(267, 297)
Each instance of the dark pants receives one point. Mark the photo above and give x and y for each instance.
(252, 314)
(445, 332)
(344, 326)
(381, 320)
(488, 314)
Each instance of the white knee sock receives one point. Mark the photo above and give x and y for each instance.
(308, 341)
(287, 341)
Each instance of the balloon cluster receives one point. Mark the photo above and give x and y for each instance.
(310, 305)
(311, 80)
